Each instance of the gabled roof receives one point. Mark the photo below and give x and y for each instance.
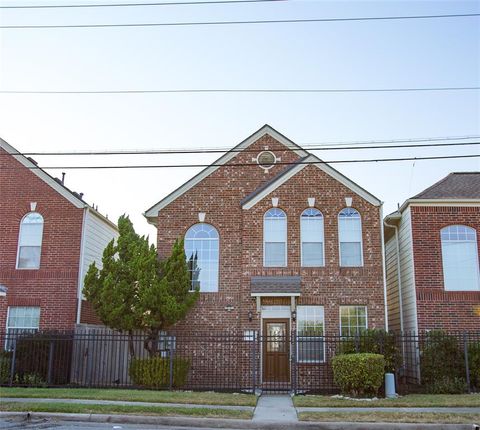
(224, 159)
(312, 160)
(457, 185)
(455, 189)
(61, 189)
(283, 174)
(152, 213)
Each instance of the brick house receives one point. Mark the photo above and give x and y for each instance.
(432, 260)
(49, 236)
(278, 243)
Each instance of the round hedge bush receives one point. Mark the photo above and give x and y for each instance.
(359, 374)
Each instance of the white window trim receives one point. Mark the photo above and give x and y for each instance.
(339, 242)
(323, 241)
(320, 337)
(286, 240)
(219, 257)
(477, 266)
(346, 306)
(18, 244)
(5, 343)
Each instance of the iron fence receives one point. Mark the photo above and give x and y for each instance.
(240, 362)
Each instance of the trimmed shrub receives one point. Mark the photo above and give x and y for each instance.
(359, 374)
(374, 341)
(155, 372)
(5, 366)
(442, 364)
(474, 364)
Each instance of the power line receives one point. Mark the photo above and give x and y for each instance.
(175, 3)
(214, 23)
(158, 166)
(251, 90)
(218, 150)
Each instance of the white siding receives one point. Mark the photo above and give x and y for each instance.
(409, 302)
(407, 272)
(392, 285)
(96, 236)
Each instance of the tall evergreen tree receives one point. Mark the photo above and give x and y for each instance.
(113, 291)
(134, 291)
(168, 300)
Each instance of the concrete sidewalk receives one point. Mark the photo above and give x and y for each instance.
(277, 408)
(269, 407)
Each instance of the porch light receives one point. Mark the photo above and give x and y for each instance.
(250, 316)
(294, 315)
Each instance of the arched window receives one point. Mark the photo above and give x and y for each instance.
(30, 241)
(350, 238)
(202, 251)
(275, 238)
(311, 232)
(460, 258)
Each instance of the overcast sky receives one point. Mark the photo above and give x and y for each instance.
(369, 54)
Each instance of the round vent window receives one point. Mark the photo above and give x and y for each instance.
(266, 159)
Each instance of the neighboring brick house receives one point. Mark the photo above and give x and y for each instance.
(283, 242)
(48, 238)
(432, 259)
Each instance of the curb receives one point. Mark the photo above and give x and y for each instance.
(225, 423)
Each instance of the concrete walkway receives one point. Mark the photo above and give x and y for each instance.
(277, 408)
(122, 402)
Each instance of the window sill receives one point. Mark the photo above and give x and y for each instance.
(477, 290)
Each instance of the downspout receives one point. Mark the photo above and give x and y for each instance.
(399, 273)
(80, 267)
(385, 307)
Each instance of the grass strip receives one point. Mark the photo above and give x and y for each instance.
(390, 417)
(71, 408)
(199, 398)
(411, 400)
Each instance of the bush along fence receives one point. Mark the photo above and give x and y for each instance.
(435, 362)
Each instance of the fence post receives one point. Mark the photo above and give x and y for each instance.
(88, 365)
(294, 362)
(254, 361)
(50, 362)
(12, 365)
(171, 355)
(357, 342)
(467, 369)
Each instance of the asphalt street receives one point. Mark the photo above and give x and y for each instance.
(59, 425)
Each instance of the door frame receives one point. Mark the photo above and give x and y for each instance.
(287, 322)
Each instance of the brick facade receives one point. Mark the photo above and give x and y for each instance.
(437, 308)
(53, 287)
(241, 242)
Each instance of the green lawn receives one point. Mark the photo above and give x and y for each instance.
(411, 400)
(390, 417)
(199, 398)
(124, 409)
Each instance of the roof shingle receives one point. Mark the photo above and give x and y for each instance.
(457, 185)
(275, 284)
